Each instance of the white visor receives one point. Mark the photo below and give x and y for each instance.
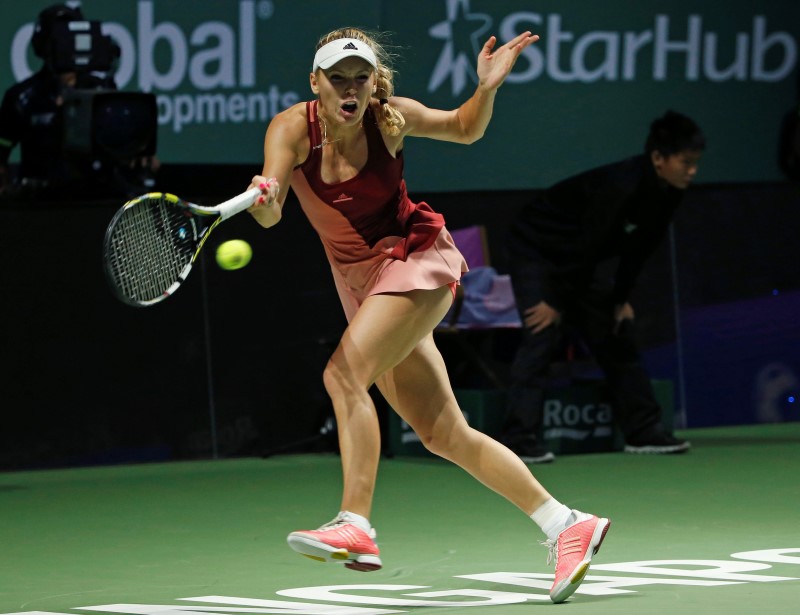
(342, 48)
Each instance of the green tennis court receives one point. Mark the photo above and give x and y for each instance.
(714, 531)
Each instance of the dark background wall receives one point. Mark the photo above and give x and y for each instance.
(232, 363)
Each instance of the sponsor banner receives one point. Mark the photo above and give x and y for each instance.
(220, 71)
(586, 93)
(582, 96)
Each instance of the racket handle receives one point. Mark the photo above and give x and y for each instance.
(237, 204)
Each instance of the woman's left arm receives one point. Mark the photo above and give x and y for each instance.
(467, 123)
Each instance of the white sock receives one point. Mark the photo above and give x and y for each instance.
(356, 519)
(552, 517)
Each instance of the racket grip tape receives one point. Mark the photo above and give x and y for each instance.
(237, 204)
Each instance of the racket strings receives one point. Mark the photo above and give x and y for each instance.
(151, 245)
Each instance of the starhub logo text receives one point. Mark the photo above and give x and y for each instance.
(671, 47)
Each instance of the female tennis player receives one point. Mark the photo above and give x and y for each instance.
(396, 268)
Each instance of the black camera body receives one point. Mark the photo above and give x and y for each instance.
(99, 121)
(110, 124)
(107, 138)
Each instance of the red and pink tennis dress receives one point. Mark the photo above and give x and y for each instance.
(377, 240)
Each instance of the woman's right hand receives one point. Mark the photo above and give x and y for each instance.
(265, 209)
(270, 189)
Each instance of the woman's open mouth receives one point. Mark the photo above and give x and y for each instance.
(350, 108)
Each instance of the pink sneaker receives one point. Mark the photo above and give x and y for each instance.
(339, 541)
(573, 551)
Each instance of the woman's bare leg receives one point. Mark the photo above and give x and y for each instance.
(383, 332)
(419, 391)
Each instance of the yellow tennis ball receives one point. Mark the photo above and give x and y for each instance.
(234, 254)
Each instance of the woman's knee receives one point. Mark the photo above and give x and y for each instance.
(444, 439)
(338, 380)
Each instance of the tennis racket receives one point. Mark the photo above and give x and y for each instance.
(153, 240)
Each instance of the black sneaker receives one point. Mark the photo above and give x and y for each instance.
(657, 444)
(531, 452)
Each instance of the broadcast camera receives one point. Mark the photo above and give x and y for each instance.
(99, 121)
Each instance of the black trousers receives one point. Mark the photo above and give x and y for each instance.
(591, 315)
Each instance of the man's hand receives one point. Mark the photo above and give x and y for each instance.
(541, 316)
(621, 313)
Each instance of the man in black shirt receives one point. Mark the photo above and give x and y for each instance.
(558, 246)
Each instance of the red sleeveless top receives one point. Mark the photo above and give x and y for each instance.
(376, 200)
(375, 237)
